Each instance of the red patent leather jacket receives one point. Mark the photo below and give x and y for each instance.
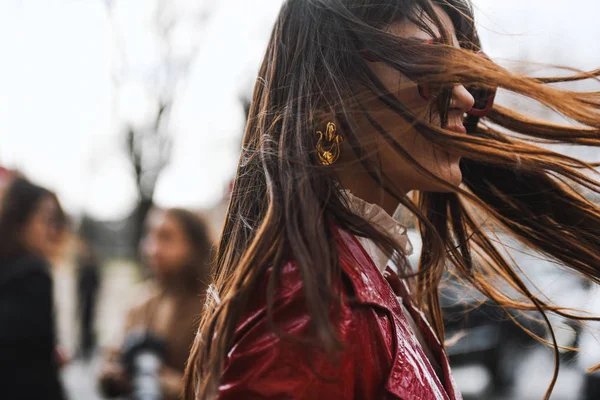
(381, 359)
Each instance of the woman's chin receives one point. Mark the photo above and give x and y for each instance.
(455, 178)
(452, 176)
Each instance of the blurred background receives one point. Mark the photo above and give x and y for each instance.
(120, 106)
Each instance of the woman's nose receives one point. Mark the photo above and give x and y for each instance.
(462, 99)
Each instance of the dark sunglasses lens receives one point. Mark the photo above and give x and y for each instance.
(482, 97)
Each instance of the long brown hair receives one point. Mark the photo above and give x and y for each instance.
(284, 201)
(19, 203)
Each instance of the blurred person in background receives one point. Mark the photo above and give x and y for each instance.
(359, 103)
(32, 226)
(88, 284)
(177, 249)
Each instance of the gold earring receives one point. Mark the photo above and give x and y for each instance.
(328, 146)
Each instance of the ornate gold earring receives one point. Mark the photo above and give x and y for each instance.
(328, 146)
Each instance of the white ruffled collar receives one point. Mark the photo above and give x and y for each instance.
(385, 223)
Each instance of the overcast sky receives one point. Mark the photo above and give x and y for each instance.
(61, 115)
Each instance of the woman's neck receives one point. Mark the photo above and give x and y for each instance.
(175, 286)
(357, 180)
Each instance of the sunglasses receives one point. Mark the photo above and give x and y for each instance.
(484, 97)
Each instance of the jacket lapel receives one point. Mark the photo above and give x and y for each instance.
(411, 377)
(432, 341)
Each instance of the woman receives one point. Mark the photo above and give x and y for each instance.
(357, 104)
(176, 247)
(31, 225)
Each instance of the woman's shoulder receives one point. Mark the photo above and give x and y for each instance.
(24, 269)
(289, 304)
(289, 283)
(282, 340)
(141, 298)
(288, 287)
(143, 293)
(25, 262)
(289, 297)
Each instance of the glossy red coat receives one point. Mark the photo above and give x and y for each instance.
(382, 358)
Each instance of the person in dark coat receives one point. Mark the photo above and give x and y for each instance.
(30, 224)
(88, 284)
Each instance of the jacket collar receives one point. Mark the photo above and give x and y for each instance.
(370, 287)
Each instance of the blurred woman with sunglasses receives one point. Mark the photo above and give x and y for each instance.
(32, 226)
(359, 103)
